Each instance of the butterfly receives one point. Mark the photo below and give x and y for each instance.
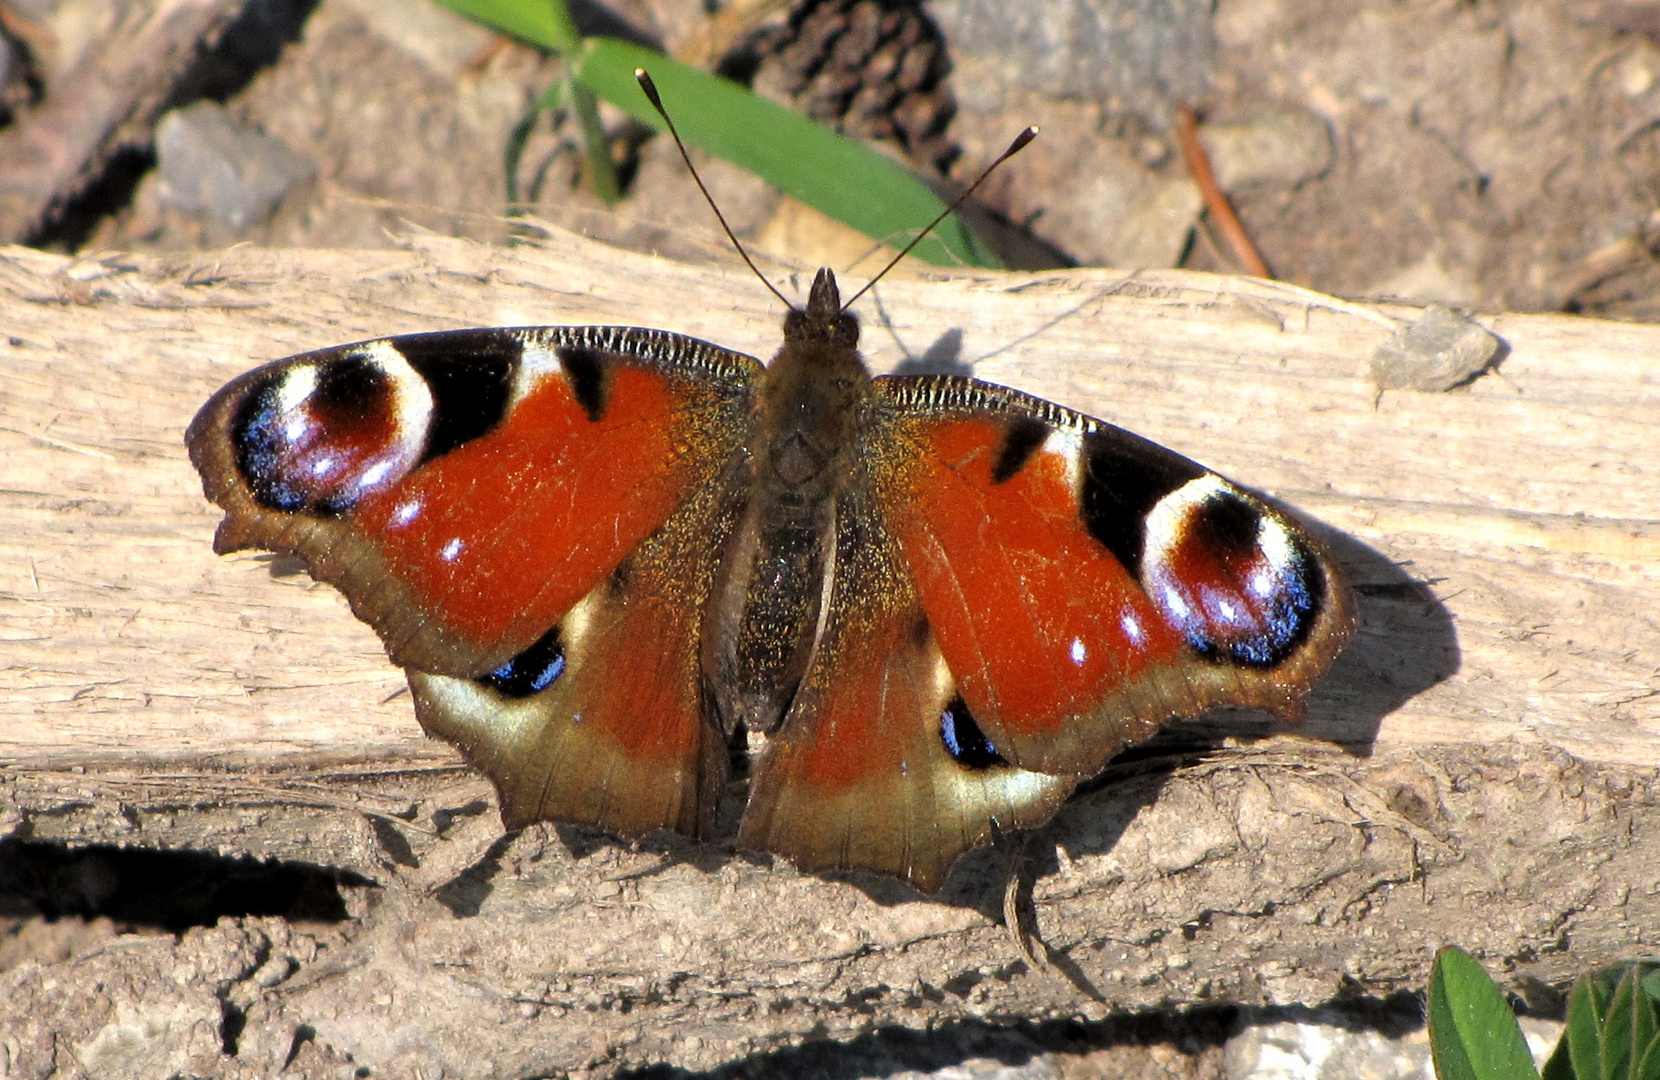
(616, 563)
(606, 555)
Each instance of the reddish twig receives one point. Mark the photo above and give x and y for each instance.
(1216, 200)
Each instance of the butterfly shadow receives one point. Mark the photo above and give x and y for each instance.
(943, 357)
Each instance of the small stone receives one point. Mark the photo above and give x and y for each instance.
(1138, 55)
(1286, 147)
(1440, 350)
(209, 165)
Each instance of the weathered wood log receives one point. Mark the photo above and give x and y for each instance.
(1479, 767)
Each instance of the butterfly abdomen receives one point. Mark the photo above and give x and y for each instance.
(774, 573)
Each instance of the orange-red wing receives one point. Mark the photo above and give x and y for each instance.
(466, 489)
(1086, 585)
(859, 776)
(602, 719)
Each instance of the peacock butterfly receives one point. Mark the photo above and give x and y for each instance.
(607, 557)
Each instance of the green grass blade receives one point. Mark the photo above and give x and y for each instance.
(541, 22)
(599, 169)
(837, 176)
(1473, 1035)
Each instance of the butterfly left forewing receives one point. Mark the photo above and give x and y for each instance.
(1087, 585)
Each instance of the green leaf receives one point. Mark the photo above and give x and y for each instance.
(541, 22)
(1473, 1035)
(837, 176)
(1559, 1066)
(1651, 982)
(1644, 1025)
(1586, 1006)
(1617, 1029)
(1648, 1066)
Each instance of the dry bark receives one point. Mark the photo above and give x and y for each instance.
(1478, 768)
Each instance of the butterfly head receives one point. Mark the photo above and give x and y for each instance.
(824, 319)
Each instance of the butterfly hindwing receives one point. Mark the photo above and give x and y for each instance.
(462, 538)
(603, 720)
(871, 769)
(1087, 585)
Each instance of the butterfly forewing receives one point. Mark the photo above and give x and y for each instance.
(460, 537)
(1086, 585)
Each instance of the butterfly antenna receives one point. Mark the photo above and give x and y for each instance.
(1015, 147)
(650, 89)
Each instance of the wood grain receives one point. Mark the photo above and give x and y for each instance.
(1479, 766)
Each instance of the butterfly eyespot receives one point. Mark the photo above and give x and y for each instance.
(1230, 576)
(964, 741)
(532, 671)
(314, 438)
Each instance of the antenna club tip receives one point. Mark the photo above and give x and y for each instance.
(642, 77)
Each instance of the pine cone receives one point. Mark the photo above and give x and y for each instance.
(872, 69)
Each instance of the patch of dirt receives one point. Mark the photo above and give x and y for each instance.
(1498, 154)
(1495, 155)
(1488, 154)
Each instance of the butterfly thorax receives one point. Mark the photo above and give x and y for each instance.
(809, 403)
(774, 572)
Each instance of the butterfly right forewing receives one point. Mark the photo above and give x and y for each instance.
(1086, 584)
(465, 489)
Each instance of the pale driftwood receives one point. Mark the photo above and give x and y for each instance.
(1478, 768)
